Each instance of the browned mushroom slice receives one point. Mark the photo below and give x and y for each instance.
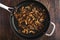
(16, 15)
(24, 15)
(34, 9)
(31, 31)
(25, 31)
(37, 22)
(26, 22)
(42, 18)
(35, 27)
(23, 10)
(28, 7)
(31, 27)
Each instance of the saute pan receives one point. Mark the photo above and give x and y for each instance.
(13, 20)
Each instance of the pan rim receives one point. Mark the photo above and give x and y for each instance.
(11, 22)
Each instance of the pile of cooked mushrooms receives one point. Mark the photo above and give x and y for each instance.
(30, 19)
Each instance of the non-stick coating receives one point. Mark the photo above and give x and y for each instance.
(46, 22)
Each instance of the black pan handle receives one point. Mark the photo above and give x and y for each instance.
(6, 7)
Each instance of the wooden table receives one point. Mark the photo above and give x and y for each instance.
(6, 32)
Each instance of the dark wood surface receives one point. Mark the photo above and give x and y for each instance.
(6, 32)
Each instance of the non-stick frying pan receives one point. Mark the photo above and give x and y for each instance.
(14, 23)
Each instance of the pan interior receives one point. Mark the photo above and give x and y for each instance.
(31, 19)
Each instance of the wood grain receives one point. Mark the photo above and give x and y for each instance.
(6, 32)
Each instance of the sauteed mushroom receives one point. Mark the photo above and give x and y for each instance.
(29, 19)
